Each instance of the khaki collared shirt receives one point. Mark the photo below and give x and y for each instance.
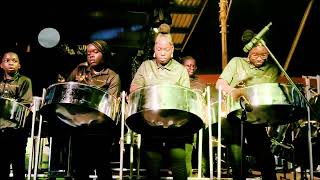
(106, 79)
(18, 88)
(150, 73)
(240, 73)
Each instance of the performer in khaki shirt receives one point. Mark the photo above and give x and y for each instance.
(243, 72)
(92, 144)
(162, 70)
(13, 140)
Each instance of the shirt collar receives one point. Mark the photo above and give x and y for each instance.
(14, 77)
(168, 66)
(262, 68)
(102, 72)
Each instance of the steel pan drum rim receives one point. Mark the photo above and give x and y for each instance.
(23, 108)
(266, 84)
(266, 106)
(82, 84)
(48, 108)
(130, 118)
(114, 98)
(16, 102)
(161, 85)
(155, 86)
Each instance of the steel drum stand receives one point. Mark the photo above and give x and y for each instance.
(308, 90)
(210, 118)
(309, 108)
(35, 155)
(210, 142)
(200, 137)
(242, 140)
(285, 163)
(123, 97)
(219, 133)
(34, 114)
(129, 139)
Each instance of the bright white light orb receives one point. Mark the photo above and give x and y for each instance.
(48, 37)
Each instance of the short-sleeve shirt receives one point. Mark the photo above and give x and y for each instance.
(19, 87)
(106, 79)
(240, 71)
(150, 73)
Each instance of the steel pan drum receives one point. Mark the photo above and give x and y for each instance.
(165, 110)
(215, 105)
(273, 103)
(315, 105)
(300, 143)
(76, 104)
(13, 114)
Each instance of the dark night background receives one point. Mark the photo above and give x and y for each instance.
(22, 21)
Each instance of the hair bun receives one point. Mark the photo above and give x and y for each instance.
(247, 35)
(164, 28)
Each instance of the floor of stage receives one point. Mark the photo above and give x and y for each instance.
(44, 173)
(126, 176)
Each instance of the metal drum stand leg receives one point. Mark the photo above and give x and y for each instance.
(200, 152)
(219, 134)
(123, 96)
(37, 148)
(130, 141)
(134, 141)
(210, 118)
(35, 104)
(138, 155)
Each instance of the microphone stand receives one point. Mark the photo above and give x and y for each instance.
(306, 101)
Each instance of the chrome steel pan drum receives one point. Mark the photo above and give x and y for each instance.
(215, 105)
(165, 110)
(76, 104)
(315, 105)
(273, 103)
(12, 113)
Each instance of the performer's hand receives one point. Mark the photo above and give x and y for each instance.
(236, 93)
(127, 98)
(31, 107)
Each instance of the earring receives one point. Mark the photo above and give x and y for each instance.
(172, 55)
(154, 55)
